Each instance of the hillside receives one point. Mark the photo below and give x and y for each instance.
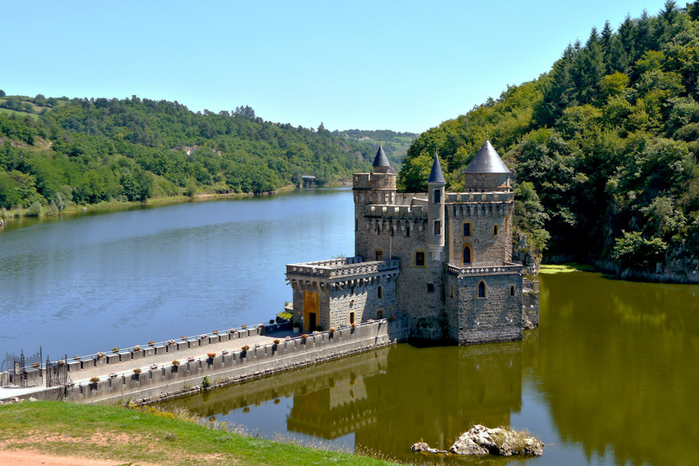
(604, 148)
(395, 144)
(57, 152)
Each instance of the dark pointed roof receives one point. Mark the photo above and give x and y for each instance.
(380, 160)
(487, 160)
(436, 175)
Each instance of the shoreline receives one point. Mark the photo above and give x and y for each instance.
(14, 215)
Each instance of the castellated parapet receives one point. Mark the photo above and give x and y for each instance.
(442, 259)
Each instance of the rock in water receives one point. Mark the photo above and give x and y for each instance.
(422, 447)
(480, 440)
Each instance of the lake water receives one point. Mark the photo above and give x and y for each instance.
(610, 376)
(98, 281)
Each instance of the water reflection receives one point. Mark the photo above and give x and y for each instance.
(388, 399)
(619, 367)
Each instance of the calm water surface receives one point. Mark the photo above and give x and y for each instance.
(96, 282)
(610, 376)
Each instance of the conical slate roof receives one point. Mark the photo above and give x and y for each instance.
(380, 160)
(487, 160)
(436, 175)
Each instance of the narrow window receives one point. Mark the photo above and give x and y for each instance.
(467, 255)
(378, 255)
(437, 227)
(419, 259)
(481, 290)
(437, 196)
(467, 229)
(496, 230)
(430, 287)
(379, 292)
(451, 291)
(351, 317)
(356, 224)
(512, 290)
(407, 232)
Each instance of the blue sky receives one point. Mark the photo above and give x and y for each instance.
(400, 65)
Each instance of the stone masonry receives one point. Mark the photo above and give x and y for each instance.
(441, 259)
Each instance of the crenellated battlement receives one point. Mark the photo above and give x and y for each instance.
(457, 198)
(372, 181)
(396, 212)
(352, 266)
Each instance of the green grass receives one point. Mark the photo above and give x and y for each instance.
(147, 435)
(10, 112)
(550, 269)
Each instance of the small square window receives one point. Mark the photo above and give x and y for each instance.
(467, 229)
(430, 287)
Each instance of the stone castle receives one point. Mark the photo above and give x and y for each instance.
(442, 259)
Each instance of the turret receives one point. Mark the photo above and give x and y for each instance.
(435, 210)
(487, 172)
(375, 188)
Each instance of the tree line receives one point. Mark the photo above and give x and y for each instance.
(604, 147)
(84, 151)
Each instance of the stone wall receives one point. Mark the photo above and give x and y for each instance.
(487, 247)
(237, 366)
(495, 318)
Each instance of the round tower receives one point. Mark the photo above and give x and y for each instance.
(375, 188)
(487, 172)
(435, 210)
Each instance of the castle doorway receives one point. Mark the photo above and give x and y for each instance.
(310, 310)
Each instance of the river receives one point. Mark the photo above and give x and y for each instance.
(610, 376)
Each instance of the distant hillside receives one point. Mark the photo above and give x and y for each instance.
(604, 147)
(395, 144)
(54, 152)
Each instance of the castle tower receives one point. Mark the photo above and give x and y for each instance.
(435, 210)
(487, 171)
(376, 188)
(481, 219)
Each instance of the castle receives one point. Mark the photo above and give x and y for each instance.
(442, 259)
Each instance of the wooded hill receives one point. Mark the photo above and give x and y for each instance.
(604, 148)
(54, 152)
(395, 144)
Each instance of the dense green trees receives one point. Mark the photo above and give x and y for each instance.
(90, 150)
(607, 141)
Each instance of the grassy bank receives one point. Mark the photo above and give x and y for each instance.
(145, 436)
(111, 206)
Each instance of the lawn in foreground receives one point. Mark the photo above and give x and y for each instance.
(136, 436)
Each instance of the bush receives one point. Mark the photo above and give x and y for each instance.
(35, 210)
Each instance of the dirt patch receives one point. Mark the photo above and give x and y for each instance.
(30, 458)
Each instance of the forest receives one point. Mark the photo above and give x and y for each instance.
(56, 152)
(603, 147)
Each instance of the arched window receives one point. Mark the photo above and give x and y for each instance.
(512, 290)
(467, 255)
(481, 290)
(496, 230)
